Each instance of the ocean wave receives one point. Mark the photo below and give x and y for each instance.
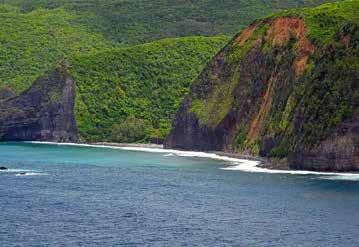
(169, 155)
(235, 164)
(254, 168)
(31, 174)
(352, 177)
(23, 172)
(155, 150)
(10, 170)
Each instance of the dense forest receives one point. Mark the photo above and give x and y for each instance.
(139, 87)
(126, 73)
(139, 21)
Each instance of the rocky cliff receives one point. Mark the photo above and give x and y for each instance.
(44, 112)
(285, 87)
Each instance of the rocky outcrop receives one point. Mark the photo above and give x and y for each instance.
(277, 92)
(6, 93)
(44, 112)
(238, 93)
(189, 134)
(338, 152)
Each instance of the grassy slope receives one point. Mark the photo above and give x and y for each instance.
(325, 20)
(145, 81)
(31, 43)
(138, 21)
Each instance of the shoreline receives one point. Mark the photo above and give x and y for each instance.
(238, 162)
(263, 164)
(273, 164)
(118, 144)
(160, 146)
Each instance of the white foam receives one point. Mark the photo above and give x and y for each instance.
(153, 150)
(252, 167)
(22, 172)
(235, 164)
(169, 155)
(30, 174)
(9, 170)
(341, 177)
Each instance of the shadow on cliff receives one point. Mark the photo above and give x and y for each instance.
(44, 112)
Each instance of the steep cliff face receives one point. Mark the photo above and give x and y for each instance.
(338, 151)
(44, 112)
(285, 87)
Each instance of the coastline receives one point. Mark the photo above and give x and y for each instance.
(118, 144)
(274, 164)
(235, 162)
(160, 146)
(242, 162)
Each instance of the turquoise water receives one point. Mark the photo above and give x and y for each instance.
(85, 196)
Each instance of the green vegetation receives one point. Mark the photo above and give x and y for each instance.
(145, 81)
(328, 101)
(279, 152)
(131, 129)
(213, 106)
(32, 43)
(123, 84)
(139, 21)
(268, 107)
(325, 20)
(326, 94)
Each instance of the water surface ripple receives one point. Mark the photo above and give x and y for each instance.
(84, 196)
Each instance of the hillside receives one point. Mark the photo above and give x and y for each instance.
(130, 93)
(139, 86)
(145, 83)
(122, 94)
(285, 87)
(139, 21)
(44, 112)
(32, 43)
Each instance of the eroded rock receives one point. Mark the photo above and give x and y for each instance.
(44, 112)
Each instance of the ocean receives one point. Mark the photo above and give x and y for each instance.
(73, 195)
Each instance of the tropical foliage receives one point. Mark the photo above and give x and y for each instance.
(146, 81)
(31, 43)
(139, 21)
(122, 80)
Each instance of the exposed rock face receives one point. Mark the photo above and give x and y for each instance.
(338, 152)
(6, 93)
(189, 134)
(44, 112)
(239, 90)
(275, 93)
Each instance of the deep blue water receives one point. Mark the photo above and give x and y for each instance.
(85, 196)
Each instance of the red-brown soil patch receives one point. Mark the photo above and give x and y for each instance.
(257, 123)
(246, 33)
(346, 40)
(282, 29)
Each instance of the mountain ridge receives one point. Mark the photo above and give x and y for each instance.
(141, 21)
(278, 90)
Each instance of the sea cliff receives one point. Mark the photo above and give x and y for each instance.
(44, 112)
(286, 87)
